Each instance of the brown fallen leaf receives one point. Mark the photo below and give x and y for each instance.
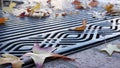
(40, 54)
(64, 14)
(3, 20)
(109, 7)
(93, 3)
(8, 58)
(76, 2)
(82, 27)
(79, 7)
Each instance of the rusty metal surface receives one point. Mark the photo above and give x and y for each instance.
(90, 58)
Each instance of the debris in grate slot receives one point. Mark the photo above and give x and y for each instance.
(111, 48)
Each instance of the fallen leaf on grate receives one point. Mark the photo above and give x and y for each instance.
(109, 7)
(9, 9)
(8, 58)
(76, 2)
(93, 3)
(82, 27)
(110, 49)
(3, 20)
(36, 7)
(40, 54)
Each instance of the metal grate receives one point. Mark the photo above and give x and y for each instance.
(62, 39)
(18, 35)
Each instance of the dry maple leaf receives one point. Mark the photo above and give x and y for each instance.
(79, 6)
(40, 54)
(110, 49)
(64, 14)
(3, 20)
(82, 27)
(76, 2)
(9, 9)
(93, 3)
(109, 7)
(8, 58)
(36, 7)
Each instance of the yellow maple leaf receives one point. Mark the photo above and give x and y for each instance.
(8, 58)
(9, 9)
(34, 8)
(37, 6)
(12, 4)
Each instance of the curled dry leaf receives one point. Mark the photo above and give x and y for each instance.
(110, 49)
(3, 20)
(36, 7)
(12, 4)
(78, 4)
(40, 54)
(15, 61)
(93, 3)
(32, 10)
(82, 27)
(9, 9)
(22, 15)
(64, 14)
(109, 8)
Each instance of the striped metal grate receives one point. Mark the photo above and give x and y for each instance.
(63, 39)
